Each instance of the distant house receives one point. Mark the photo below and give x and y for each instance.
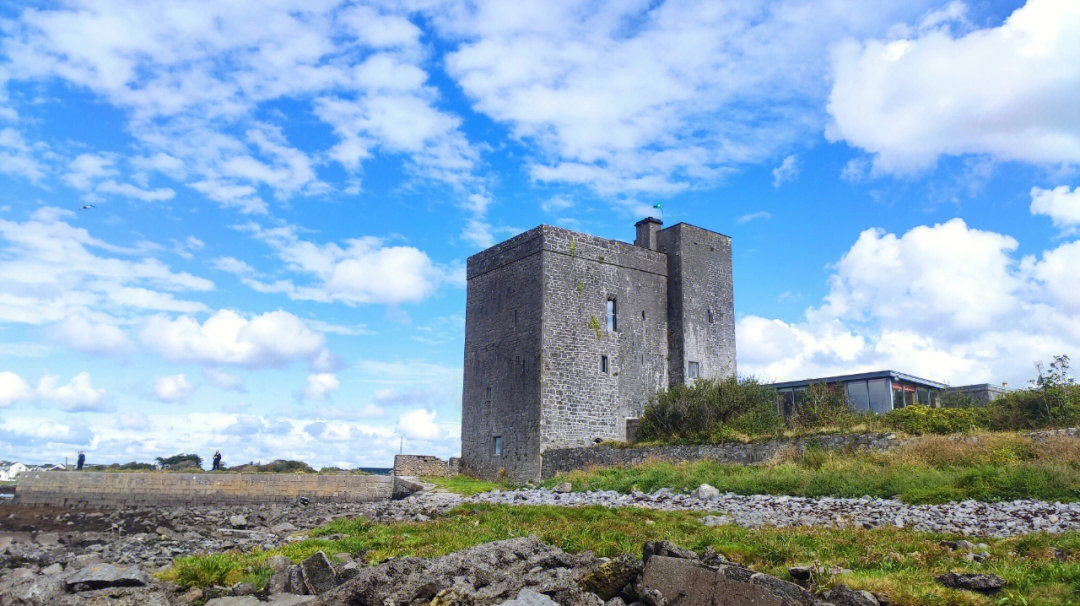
(10, 472)
(883, 390)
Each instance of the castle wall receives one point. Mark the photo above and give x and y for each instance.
(579, 401)
(501, 383)
(701, 305)
(420, 466)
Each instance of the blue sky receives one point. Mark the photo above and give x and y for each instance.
(283, 196)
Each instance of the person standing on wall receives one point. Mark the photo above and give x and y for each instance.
(80, 461)
(217, 461)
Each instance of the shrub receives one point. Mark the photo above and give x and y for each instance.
(822, 405)
(1046, 406)
(180, 461)
(710, 411)
(277, 466)
(920, 419)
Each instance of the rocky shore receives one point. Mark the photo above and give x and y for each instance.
(51, 555)
(970, 518)
(109, 558)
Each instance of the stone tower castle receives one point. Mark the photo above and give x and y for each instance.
(567, 336)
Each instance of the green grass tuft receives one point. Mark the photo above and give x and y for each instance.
(464, 485)
(932, 469)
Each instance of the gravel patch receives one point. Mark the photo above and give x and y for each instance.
(970, 518)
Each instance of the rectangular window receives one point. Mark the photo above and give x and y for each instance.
(496, 445)
(603, 364)
(612, 323)
(487, 392)
(708, 312)
(693, 370)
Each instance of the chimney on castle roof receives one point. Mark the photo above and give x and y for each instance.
(646, 232)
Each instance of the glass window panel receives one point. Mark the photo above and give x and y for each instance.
(859, 396)
(878, 395)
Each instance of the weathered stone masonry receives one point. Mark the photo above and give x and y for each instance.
(103, 489)
(544, 368)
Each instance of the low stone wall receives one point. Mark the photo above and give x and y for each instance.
(95, 489)
(562, 460)
(424, 465)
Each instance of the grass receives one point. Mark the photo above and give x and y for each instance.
(464, 485)
(929, 469)
(897, 562)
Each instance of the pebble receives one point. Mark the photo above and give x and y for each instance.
(968, 518)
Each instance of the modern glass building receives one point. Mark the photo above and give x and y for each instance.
(878, 391)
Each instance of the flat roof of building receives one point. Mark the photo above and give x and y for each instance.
(863, 376)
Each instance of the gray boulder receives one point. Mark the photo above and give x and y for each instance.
(279, 576)
(484, 575)
(606, 578)
(318, 574)
(983, 583)
(665, 548)
(685, 582)
(845, 596)
(706, 491)
(100, 576)
(528, 597)
(562, 487)
(296, 580)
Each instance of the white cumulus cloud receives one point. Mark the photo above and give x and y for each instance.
(1006, 91)
(946, 302)
(77, 395)
(172, 388)
(13, 389)
(320, 386)
(84, 334)
(1060, 204)
(418, 424)
(272, 339)
(361, 270)
(224, 380)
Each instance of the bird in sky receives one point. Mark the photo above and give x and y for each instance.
(87, 207)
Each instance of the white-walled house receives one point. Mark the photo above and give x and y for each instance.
(11, 472)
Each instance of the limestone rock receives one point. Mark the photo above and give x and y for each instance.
(528, 597)
(296, 580)
(606, 579)
(563, 487)
(491, 573)
(47, 539)
(238, 521)
(845, 596)
(318, 573)
(283, 528)
(100, 576)
(706, 491)
(665, 548)
(279, 576)
(684, 582)
(983, 583)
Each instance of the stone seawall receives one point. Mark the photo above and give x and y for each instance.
(561, 460)
(101, 489)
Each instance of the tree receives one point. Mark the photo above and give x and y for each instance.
(1057, 375)
(179, 461)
